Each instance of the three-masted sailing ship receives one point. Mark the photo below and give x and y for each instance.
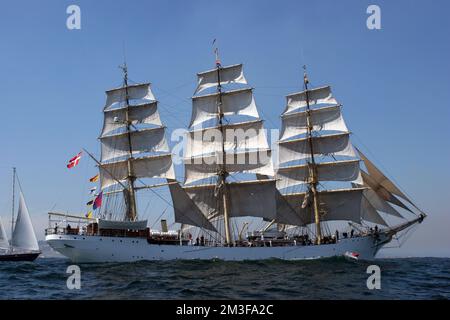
(23, 245)
(230, 182)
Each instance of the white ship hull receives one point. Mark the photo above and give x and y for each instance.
(91, 249)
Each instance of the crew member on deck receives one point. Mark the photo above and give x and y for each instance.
(202, 240)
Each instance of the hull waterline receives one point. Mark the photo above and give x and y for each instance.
(87, 249)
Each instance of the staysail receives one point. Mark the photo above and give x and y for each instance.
(379, 183)
(23, 236)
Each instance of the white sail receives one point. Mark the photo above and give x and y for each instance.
(380, 180)
(258, 162)
(249, 198)
(228, 74)
(236, 137)
(379, 204)
(142, 141)
(367, 181)
(139, 114)
(327, 119)
(369, 213)
(23, 236)
(298, 149)
(343, 204)
(4, 243)
(347, 170)
(321, 95)
(146, 167)
(235, 102)
(135, 92)
(185, 210)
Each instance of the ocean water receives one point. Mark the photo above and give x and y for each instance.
(337, 278)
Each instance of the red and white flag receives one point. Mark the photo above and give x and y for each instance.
(74, 161)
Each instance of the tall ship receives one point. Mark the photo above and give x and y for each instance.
(313, 196)
(23, 245)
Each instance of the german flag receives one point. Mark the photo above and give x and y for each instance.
(94, 178)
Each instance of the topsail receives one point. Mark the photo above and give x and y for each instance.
(228, 75)
(133, 141)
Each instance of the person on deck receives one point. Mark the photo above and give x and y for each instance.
(202, 240)
(197, 241)
(352, 233)
(337, 235)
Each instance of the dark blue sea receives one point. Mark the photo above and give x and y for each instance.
(409, 278)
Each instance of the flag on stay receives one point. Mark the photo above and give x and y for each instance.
(90, 203)
(89, 215)
(93, 190)
(98, 201)
(94, 178)
(74, 161)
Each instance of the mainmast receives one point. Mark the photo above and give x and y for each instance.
(131, 214)
(223, 170)
(12, 207)
(313, 181)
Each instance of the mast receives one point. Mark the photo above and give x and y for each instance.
(12, 207)
(223, 170)
(130, 194)
(312, 164)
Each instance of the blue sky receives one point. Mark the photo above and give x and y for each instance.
(393, 83)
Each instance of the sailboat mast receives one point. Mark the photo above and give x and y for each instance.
(312, 164)
(12, 206)
(223, 170)
(131, 195)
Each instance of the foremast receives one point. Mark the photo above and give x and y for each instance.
(308, 133)
(312, 169)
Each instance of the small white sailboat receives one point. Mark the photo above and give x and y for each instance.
(23, 245)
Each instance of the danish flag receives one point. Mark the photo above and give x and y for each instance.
(74, 161)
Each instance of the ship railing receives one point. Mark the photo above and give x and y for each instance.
(67, 224)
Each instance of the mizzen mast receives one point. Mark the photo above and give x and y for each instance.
(313, 181)
(130, 195)
(222, 174)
